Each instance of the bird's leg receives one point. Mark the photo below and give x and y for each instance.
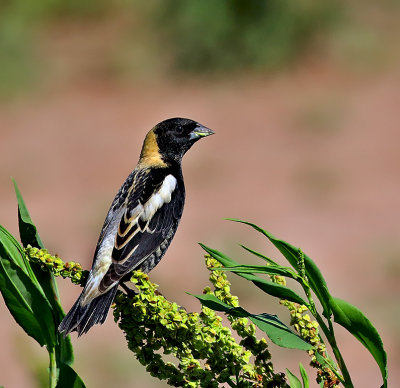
(129, 292)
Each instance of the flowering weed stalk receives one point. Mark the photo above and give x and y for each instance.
(206, 352)
(55, 265)
(305, 317)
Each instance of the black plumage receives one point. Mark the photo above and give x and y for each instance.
(141, 222)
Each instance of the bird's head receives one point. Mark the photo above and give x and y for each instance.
(169, 140)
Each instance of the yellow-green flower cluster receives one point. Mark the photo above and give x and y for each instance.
(308, 330)
(263, 370)
(206, 353)
(55, 265)
(303, 324)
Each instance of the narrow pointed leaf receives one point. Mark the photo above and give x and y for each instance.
(294, 382)
(276, 330)
(45, 279)
(68, 378)
(326, 362)
(291, 253)
(19, 308)
(28, 231)
(304, 376)
(352, 319)
(64, 350)
(12, 249)
(26, 302)
(267, 286)
(263, 269)
(258, 254)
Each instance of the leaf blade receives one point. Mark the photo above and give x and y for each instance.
(276, 330)
(44, 279)
(28, 231)
(12, 249)
(262, 269)
(267, 286)
(294, 382)
(26, 302)
(258, 254)
(316, 280)
(68, 378)
(352, 319)
(304, 376)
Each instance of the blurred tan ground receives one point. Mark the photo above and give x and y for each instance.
(312, 155)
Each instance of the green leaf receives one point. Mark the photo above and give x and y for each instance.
(352, 319)
(27, 229)
(45, 279)
(327, 362)
(267, 286)
(64, 350)
(68, 378)
(294, 382)
(304, 376)
(291, 253)
(258, 254)
(264, 269)
(12, 249)
(276, 330)
(26, 302)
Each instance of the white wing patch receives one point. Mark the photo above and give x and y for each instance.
(158, 199)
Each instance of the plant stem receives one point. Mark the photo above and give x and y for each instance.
(52, 368)
(330, 336)
(338, 356)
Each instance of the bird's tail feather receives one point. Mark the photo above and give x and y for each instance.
(82, 318)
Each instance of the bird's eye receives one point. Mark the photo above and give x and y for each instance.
(179, 130)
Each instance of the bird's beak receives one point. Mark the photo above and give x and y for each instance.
(200, 131)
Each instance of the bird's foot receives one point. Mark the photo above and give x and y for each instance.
(129, 292)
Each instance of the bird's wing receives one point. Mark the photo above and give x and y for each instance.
(135, 180)
(153, 209)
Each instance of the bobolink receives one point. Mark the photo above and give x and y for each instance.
(141, 222)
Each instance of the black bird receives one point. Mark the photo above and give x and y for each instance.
(141, 222)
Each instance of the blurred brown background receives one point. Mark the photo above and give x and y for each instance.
(304, 99)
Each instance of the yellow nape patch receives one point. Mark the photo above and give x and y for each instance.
(150, 155)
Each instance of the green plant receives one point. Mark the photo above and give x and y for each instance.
(205, 351)
(304, 271)
(32, 297)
